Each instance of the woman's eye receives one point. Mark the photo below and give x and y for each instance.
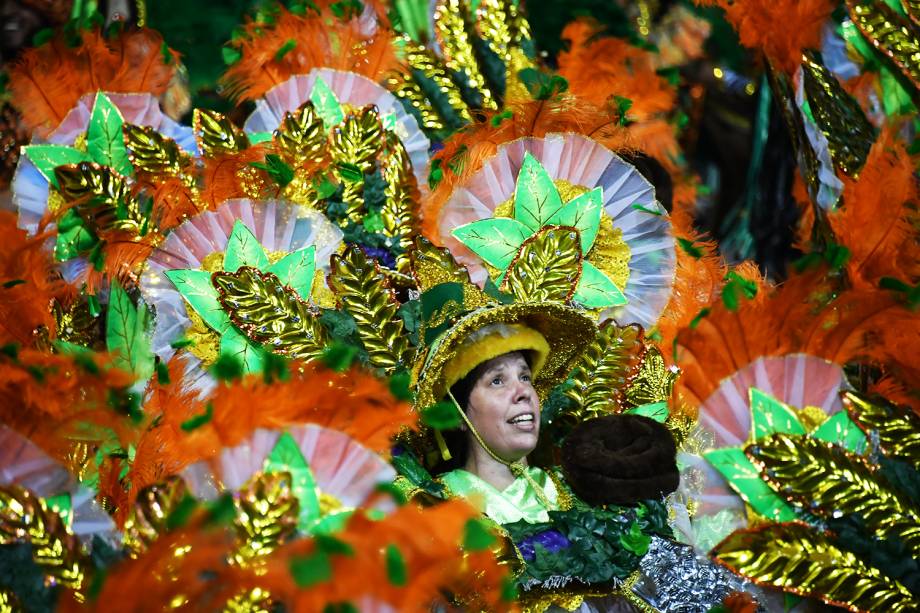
(497, 381)
(525, 378)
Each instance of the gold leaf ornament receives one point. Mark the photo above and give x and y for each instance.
(420, 58)
(828, 481)
(151, 510)
(547, 267)
(354, 145)
(838, 115)
(151, 152)
(796, 558)
(102, 197)
(890, 33)
(653, 382)
(24, 518)
(404, 87)
(454, 34)
(217, 135)
(301, 136)
(603, 371)
(897, 428)
(363, 291)
(270, 312)
(267, 511)
(401, 191)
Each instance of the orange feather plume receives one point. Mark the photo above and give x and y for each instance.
(468, 149)
(878, 220)
(429, 542)
(621, 69)
(781, 29)
(806, 314)
(28, 284)
(295, 44)
(47, 81)
(225, 176)
(356, 403)
(54, 399)
(697, 277)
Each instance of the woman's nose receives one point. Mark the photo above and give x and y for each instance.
(523, 391)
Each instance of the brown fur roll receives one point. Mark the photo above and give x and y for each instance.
(620, 459)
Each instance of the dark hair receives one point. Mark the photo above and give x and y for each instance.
(457, 440)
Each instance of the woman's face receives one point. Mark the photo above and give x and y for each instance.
(504, 407)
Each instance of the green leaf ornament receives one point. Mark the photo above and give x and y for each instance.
(326, 104)
(297, 270)
(596, 290)
(243, 249)
(104, 140)
(744, 478)
(536, 198)
(495, 240)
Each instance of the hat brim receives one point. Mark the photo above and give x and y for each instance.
(567, 332)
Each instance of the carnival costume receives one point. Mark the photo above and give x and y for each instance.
(229, 349)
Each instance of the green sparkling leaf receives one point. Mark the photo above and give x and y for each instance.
(104, 140)
(126, 336)
(536, 198)
(48, 157)
(326, 104)
(73, 238)
(196, 421)
(441, 416)
(595, 289)
(297, 270)
(311, 569)
(198, 291)
(496, 240)
(769, 416)
(63, 506)
(477, 536)
(657, 411)
(635, 540)
(839, 429)
(397, 572)
(234, 343)
(286, 456)
(744, 478)
(243, 249)
(584, 214)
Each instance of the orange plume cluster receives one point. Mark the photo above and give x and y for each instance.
(224, 175)
(295, 44)
(878, 220)
(621, 69)
(47, 81)
(806, 314)
(189, 565)
(756, 23)
(354, 402)
(467, 150)
(428, 540)
(55, 398)
(697, 276)
(28, 283)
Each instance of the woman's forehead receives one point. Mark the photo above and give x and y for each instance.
(514, 358)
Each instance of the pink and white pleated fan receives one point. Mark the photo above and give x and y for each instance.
(279, 226)
(30, 188)
(23, 463)
(584, 162)
(798, 380)
(342, 467)
(350, 88)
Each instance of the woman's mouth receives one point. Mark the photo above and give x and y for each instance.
(524, 422)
